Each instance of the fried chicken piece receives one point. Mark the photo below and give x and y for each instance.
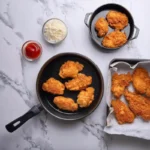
(53, 86)
(70, 69)
(79, 83)
(114, 39)
(86, 97)
(119, 83)
(138, 104)
(122, 112)
(65, 103)
(101, 27)
(148, 89)
(141, 81)
(117, 20)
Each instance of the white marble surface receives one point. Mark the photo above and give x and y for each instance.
(21, 21)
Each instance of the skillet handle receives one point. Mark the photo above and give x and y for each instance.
(137, 30)
(12, 126)
(87, 18)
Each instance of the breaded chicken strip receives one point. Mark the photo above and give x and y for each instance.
(79, 83)
(101, 27)
(117, 19)
(65, 103)
(53, 86)
(122, 112)
(119, 83)
(138, 104)
(114, 39)
(86, 97)
(70, 69)
(141, 81)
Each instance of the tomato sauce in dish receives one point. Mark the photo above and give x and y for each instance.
(31, 50)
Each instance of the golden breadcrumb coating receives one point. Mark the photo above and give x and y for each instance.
(70, 69)
(117, 20)
(65, 103)
(138, 104)
(80, 82)
(141, 81)
(122, 112)
(86, 97)
(119, 83)
(53, 86)
(114, 39)
(101, 26)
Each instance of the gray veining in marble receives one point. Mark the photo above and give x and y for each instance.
(7, 42)
(19, 35)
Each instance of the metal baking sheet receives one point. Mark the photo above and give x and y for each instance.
(138, 128)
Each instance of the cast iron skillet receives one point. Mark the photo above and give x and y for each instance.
(91, 18)
(51, 69)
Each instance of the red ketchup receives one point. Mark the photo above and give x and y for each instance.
(31, 50)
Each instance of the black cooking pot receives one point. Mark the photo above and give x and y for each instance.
(51, 69)
(131, 30)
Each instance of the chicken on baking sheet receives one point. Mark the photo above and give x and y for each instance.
(53, 86)
(119, 83)
(141, 81)
(122, 112)
(80, 82)
(65, 103)
(138, 104)
(70, 69)
(86, 97)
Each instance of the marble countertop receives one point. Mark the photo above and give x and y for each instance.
(21, 21)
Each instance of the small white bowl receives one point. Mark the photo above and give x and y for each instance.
(54, 42)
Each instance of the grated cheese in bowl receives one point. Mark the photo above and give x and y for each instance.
(54, 31)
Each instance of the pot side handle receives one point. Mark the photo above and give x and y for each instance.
(136, 33)
(12, 126)
(87, 18)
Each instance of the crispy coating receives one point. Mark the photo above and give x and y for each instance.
(86, 97)
(117, 20)
(122, 112)
(101, 27)
(139, 104)
(141, 81)
(79, 83)
(119, 83)
(53, 86)
(65, 103)
(70, 69)
(148, 89)
(114, 39)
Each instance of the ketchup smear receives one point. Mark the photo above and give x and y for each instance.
(32, 50)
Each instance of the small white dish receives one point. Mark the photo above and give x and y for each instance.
(54, 41)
